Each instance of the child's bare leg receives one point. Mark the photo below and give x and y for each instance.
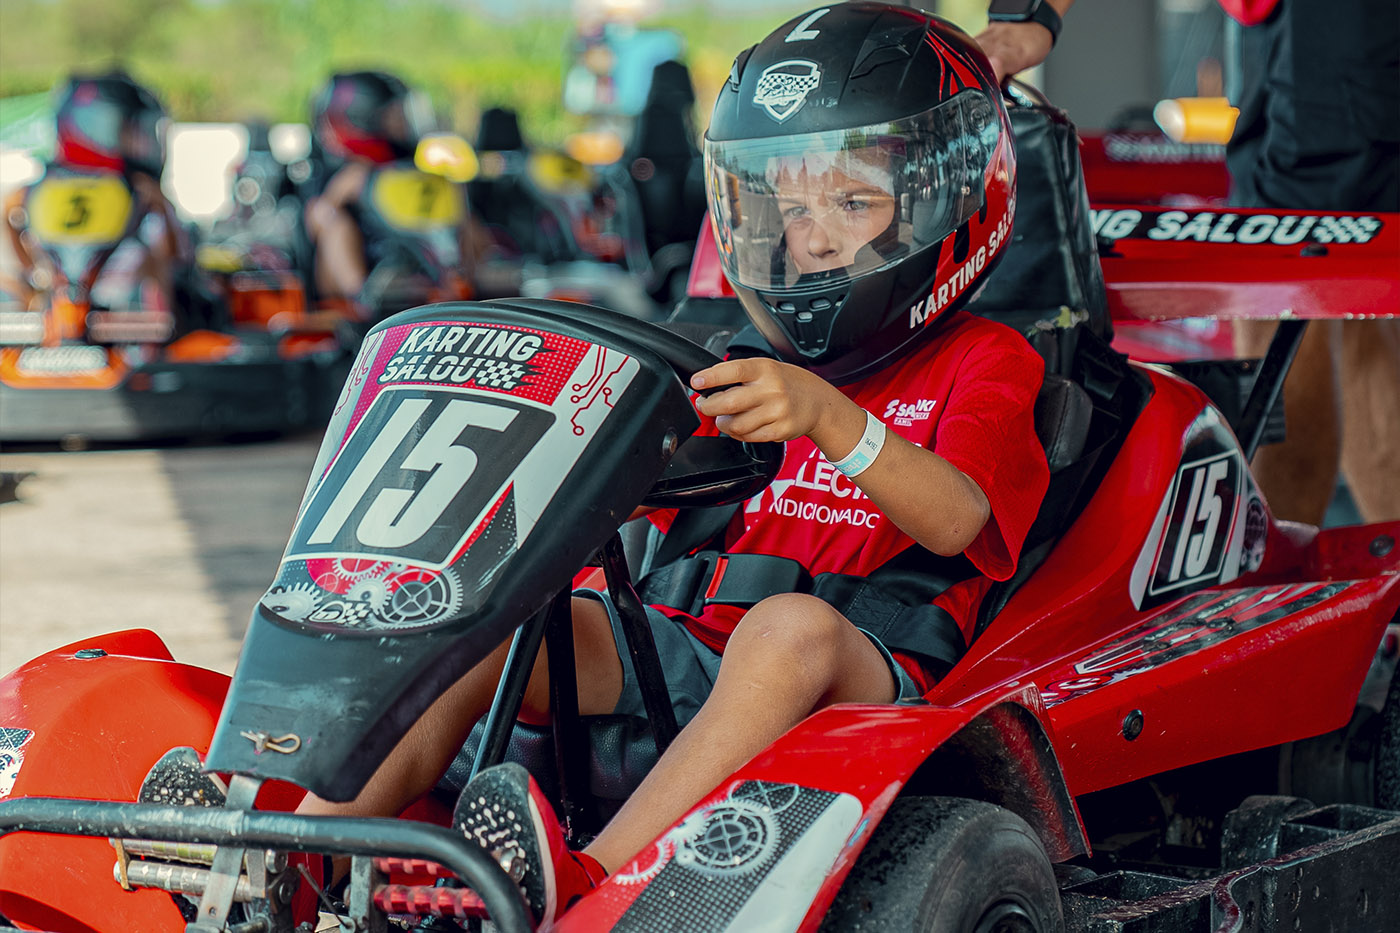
(789, 656)
(423, 754)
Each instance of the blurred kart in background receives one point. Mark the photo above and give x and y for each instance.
(99, 354)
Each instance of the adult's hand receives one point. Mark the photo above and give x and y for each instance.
(1014, 47)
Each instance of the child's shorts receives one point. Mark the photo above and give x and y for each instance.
(691, 666)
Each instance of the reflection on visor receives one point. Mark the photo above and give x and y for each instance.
(847, 202)
(832, 205)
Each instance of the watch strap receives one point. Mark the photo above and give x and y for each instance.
(1040, 12)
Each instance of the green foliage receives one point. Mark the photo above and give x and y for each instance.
(222, 60)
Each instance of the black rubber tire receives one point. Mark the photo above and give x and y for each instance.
(949, 865)
(1387, 761)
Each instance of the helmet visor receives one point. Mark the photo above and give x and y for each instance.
(794, 211)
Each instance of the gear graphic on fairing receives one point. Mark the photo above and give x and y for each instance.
(372, 591)
(648, 864)
(423, 601)
(733, 837)
(292, 602)
(766, 796)
(355, 569)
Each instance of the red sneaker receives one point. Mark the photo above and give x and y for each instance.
(504, 811)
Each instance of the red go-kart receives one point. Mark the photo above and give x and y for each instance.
(1180, 715)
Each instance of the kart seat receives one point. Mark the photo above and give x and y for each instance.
(507, 201)
(1049, 280)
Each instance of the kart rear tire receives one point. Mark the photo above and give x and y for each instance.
(949, 865)
(1387, 762)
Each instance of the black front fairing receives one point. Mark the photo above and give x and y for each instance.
(480, 454)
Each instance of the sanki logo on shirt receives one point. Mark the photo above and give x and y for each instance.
(906, 413)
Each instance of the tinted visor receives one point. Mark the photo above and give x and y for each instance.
(791, 211)
(97, 125)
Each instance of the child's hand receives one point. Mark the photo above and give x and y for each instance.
(766, 400)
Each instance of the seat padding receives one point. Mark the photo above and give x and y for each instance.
(1063, 411)
(1052, 261)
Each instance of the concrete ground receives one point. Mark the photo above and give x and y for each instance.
(180, 540)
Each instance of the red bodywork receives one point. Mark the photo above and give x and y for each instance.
(1089, 678)
(1149, 168)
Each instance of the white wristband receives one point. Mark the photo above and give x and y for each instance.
(869, 447)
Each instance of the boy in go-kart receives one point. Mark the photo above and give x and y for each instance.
(364, 119)
(109, 123)
(860, 191)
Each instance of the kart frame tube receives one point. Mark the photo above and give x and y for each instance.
(270, 830)
(1268, 384)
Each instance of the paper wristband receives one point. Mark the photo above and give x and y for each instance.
(869, 447)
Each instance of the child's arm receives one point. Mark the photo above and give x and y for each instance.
(930, 500)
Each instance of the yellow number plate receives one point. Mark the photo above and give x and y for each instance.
(413, 200)
(74, 211)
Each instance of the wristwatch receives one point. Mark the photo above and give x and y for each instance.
(1026, 11)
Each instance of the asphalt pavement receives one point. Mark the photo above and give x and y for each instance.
(180, 540)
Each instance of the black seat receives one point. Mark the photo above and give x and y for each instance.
(506, 200)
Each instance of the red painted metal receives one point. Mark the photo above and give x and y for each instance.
(1148, 168)
(1189, 275)
(99, 724)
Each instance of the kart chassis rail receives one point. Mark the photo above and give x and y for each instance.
(292, 832)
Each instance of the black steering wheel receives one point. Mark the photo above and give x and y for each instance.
(703, 471)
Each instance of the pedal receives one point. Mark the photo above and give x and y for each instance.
(426, 901)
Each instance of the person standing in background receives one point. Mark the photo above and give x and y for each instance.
(1319, 129)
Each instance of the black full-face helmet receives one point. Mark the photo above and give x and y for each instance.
(861, 182)
(370, 115)
(109, 121)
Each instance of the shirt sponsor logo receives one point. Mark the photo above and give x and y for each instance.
(1224, 227)
(817, 475)
(906, 413)
(493, 358)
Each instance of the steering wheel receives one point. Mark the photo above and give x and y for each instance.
(703, 471)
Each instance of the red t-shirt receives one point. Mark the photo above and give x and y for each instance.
(968, 393)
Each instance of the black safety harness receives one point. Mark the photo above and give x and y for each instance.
(894, 603)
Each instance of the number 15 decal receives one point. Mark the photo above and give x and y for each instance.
(419, 469)
(1198, 523)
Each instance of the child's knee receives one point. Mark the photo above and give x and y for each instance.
(796, 624)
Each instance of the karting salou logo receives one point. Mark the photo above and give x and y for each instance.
(964, 275)
(1225, 227)
(492, 358)
(783, 88)
(420, 473)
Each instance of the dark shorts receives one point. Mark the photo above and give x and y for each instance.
(691, 666)
(1319, 94)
